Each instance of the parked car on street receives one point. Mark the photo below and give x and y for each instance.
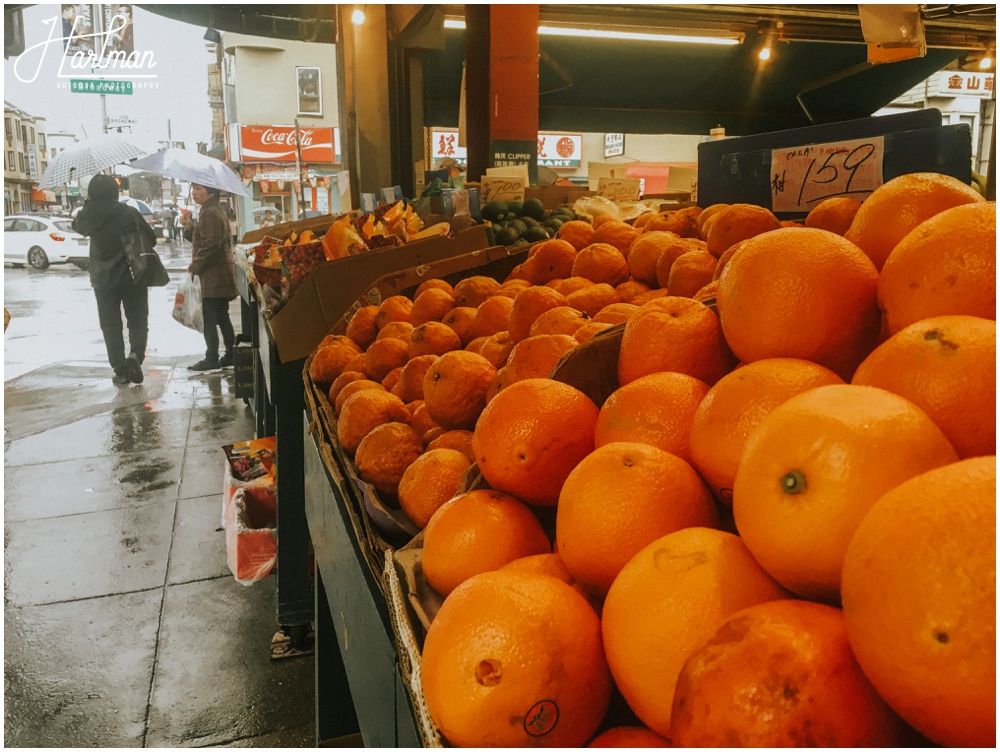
(39, 241)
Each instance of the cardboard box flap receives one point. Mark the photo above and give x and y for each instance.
(592, 367)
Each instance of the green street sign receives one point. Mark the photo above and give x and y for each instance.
(89, 86)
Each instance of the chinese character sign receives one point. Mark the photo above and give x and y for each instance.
(963, 83)
(560, 150)
(444, 143)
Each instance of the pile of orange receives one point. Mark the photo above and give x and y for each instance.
(790, 495)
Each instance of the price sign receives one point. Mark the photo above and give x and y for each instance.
(501, 189)
(619, 189)
(803, 176)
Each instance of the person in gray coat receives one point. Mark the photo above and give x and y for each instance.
(104, 220)
(212, 261)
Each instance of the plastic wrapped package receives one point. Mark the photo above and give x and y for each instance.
(248, 463)
(250, 522)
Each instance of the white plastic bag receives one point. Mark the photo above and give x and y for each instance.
(187, 304)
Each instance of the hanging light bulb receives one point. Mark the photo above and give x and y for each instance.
(986, 61)
(765, 53)
(358, 17)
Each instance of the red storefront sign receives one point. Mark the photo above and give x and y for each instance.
(276, 143)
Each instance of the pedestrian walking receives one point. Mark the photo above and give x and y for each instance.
(105, 220)
(167, 221)
(212, 261)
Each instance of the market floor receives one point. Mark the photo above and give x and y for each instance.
(123, 625)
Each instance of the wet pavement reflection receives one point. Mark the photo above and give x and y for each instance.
(123, 625)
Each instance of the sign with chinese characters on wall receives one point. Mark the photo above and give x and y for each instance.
(614, 144)
(555, 150)
(444, 143)
(560, 150)
(276, 143)
(962, 83)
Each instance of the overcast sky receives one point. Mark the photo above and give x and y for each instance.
(179, 92)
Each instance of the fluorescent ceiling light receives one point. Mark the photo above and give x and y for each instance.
(358, 17)
(568, 31)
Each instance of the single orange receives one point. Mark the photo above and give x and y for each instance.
(629, 736)
(351, 388)
(657, 409)
(945, 265)
(433, 284)
(631, 289)
(455, 388)
(341, 381)
(478, 531)
(601, 262)
(674, 334)
(738, 222)
(492, 316)
(899, 205)
(690, 272)
(385, 354)
(666, 602)
(946, 366)
(621, 497)
(461, 320)
(645, 252)
(339, 339)
(458, 440)
(800, 293)
(472, 291)
(814, 466)
(365, 410)
(431, 305)
(392, 379)
(672, 252)
(361, 327)
(833, 214)
(514, 659)
(431, 479)
(531, 435)
(616, 313)
(410, 386)
(328, 363)
(919, 593)
(577, 233)
(528, 306)
(393, 308)
(384, 454)
(561, 320)
(678, 222)
(780, 674)
(701, 219)
(592, 299)
(433, 338)
(535, 357)
(550, 259)
(617, 234)
(496, 349)
(569, 285)
(736, 405)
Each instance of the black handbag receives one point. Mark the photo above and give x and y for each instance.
(144, 263)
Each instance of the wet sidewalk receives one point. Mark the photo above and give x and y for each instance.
(123, 624)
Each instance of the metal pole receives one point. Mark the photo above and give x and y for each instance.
(298, 170)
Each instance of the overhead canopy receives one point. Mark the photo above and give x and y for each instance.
(818, 73)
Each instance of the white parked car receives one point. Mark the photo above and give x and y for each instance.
(39, 241)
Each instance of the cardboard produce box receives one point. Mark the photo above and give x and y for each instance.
(330, 289)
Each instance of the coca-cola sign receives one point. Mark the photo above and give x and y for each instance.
(277, 143)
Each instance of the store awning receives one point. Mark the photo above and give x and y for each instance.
(39, 196)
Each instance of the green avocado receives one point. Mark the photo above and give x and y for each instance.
(494, 210)
(518, 225)
(533, 208)
(534, 234)
(515, 207)
(508, 236)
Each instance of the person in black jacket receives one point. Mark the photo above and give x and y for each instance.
(105, 220)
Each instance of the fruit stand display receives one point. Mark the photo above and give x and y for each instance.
(294, 283)
(592, 490)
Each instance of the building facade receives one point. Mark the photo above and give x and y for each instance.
(289, 170)
(25, 159)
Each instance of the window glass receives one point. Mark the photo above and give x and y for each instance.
(8, 225)
(64, 226)
(21, 225)
(35, 226)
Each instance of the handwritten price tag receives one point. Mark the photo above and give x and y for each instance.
(619, 189)
(803, 176)
(501, 189)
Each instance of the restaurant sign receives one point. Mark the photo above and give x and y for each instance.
(963, 83)
(555, 150)
(277, 143)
